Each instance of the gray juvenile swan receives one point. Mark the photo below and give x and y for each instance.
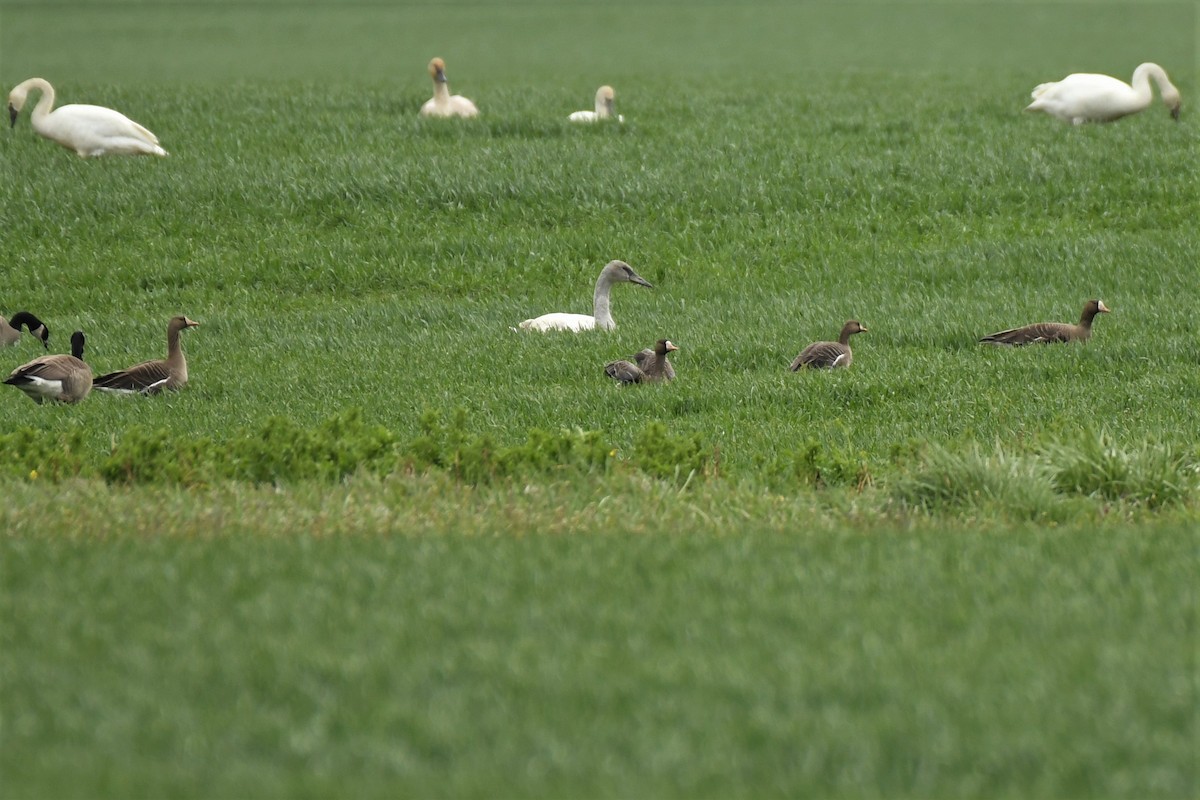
(66, 379)
(601, 317)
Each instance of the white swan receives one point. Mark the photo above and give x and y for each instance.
(442, 104)
(604, 108)
(1088, 97)
(601, 317)
(88, 130)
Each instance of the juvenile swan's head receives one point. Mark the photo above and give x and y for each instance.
(437, 70)
(619, 271)
(605, 97)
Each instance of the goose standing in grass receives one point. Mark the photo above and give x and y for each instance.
(827, 355)
(88, 130)
(66, 379)
(443, 104)
(10, 329)
(1047, 332)
(1087, 97)
(152, 377)
(605, 109)
(651, 366)
(601, 316)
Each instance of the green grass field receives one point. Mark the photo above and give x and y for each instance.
(946, 571)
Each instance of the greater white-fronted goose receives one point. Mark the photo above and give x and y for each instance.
(1089, 97)
(443, 104)
(601, 317)
(10, 329)
(651, 366)
(827, 355)
(152, 377)
(1047, 332)
(66, 379)
(605, 99)
(88, 130)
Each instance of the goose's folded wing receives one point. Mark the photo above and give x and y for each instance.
(147, 377)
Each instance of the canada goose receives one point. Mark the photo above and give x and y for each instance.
(88, 130)
(443, 104)
(601, 317)
(826, 355)
(604, 108)
(1088, 97)
(652, 366)
(66, 379)
(152, 377)
(1046, 332)
(10, 329)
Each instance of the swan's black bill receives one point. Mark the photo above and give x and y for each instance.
(12, 116)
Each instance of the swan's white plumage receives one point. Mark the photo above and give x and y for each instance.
(601, 316)
(443, 104)
(605, 108)
(560, 321)
(88, 130)
(1089, 97)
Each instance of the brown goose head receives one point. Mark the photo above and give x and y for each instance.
(663, 346)
(851, 327)
(1090, 309)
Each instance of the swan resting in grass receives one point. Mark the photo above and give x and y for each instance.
(88, 130)
(443, 104)
(605, 109)
(601, 316)
(1088, 97)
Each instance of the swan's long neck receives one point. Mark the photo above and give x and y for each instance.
(600, 308)
(441, 92)
(1141, 82)
(45, 102)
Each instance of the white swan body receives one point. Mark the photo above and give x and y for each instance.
(1088, 97)
(443, 104)
(604, 108)
(88, 130)
(601, 316)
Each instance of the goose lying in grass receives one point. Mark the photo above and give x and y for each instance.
(826, 355)
(443, 104)
(10, 329)
(152, 377)
(1047, 332)
(605, 109)
(601, 316)
(1088, 97)
(88, 130)
(66, 379)
(648, 366)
